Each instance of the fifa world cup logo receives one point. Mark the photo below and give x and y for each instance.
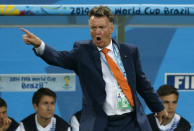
(67, 79)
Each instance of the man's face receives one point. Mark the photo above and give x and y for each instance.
(170, 103)
(101, 31)
(46, 107)
(3, 115)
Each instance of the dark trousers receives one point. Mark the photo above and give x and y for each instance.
(126, 122)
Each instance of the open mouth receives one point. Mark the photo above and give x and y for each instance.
(98, 38)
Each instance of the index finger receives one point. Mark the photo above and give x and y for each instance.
(26, 31)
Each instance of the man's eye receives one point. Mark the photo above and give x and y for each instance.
(45, 103)
(93, 28)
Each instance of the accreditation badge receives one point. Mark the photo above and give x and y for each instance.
(122, 101)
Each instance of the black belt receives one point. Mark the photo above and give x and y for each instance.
(118, 117)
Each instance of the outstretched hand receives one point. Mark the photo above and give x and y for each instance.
(162, 117)
(31, 39)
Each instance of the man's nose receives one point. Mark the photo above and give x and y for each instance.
(171, 105)
(98, 31)
(50, 107)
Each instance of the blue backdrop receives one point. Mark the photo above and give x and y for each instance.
(162, 49)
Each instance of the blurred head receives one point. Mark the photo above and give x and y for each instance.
(169, 96)
(101, 22)
(3, 111)
(44, 101)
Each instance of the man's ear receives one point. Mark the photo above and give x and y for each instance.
(112, 28)
(35, 107)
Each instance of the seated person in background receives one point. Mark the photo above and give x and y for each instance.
(44, 119)
(169, 95)
(75, 120)
(6, 123)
